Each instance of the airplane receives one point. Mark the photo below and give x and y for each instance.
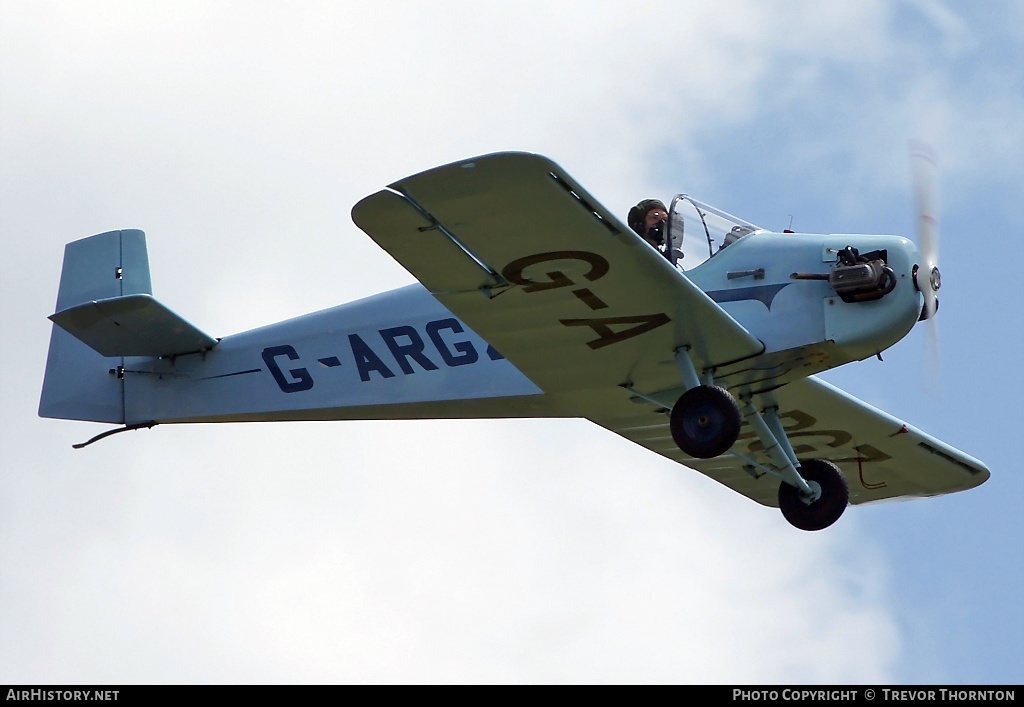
(534, 300)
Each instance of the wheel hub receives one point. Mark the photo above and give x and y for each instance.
(815, 494)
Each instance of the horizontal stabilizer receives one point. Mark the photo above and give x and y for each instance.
(132, 325)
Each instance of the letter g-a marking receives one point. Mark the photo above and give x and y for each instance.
(514, 271)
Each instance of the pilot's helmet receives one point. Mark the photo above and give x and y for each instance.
(638, 213)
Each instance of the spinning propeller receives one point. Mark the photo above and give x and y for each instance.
(926, 273)
(926, 276)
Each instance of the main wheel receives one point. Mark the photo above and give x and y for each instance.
(705, 421)
(831, 490)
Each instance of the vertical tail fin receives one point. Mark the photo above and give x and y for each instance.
(81, 384)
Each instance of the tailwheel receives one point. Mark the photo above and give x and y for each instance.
(831, 494)
(705, 421)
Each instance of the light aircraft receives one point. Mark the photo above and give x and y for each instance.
(535, 301)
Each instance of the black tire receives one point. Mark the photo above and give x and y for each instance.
(705, 421)
(824, 511)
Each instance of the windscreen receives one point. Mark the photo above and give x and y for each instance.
(698, 231)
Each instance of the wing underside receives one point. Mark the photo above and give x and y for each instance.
(881, 456)
(530, 261)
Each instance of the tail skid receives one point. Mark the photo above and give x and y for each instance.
(108, 433)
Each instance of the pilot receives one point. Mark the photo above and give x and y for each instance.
(648, 219)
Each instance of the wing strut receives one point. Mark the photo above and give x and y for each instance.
(499, 280)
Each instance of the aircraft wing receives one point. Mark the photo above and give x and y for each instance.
(515, 248)
(881, 456)
(589, 312)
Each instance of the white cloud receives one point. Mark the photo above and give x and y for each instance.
(228, 556)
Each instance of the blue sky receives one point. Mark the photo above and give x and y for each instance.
(239, 136)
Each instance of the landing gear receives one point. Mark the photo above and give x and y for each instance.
(829, 499)
(705, 421)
